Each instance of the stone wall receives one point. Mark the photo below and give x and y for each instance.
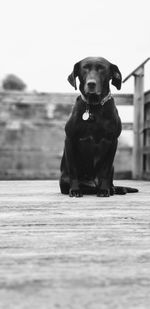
(32, 135)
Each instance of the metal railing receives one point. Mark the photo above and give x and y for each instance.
(140, 158)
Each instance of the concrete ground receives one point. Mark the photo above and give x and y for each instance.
(73, 253)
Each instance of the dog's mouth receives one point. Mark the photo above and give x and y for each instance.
(93, 98)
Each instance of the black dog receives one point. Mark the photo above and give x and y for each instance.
(92, 132)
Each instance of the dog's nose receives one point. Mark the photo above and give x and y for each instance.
(91, 84)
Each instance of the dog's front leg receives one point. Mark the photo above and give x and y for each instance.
(70, 153)
(104, 167)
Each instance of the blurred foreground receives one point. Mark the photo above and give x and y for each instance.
(73, 253)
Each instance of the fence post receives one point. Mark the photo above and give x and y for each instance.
(138, 126)
(138, 122)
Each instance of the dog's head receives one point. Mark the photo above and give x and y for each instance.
(94, 74)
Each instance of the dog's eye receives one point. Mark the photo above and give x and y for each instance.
(100, 67)
(85, 67)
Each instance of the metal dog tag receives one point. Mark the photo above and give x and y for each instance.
(86, 115)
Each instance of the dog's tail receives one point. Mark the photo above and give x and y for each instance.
(123, 190)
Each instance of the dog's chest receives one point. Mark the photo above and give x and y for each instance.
(96, 126)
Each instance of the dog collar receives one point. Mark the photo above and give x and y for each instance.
(107, 98)
(87, 116)
(104, 100)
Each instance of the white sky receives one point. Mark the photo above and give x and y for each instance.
(42, 39)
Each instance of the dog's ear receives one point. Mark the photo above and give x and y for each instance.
(116, 76)
(73, 75)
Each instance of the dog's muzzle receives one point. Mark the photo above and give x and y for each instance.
(91, 86)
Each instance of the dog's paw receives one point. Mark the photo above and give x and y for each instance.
(75, 193)
(103, 193)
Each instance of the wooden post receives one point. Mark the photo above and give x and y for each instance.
(138, 123)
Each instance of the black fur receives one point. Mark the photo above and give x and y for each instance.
(90, 145)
